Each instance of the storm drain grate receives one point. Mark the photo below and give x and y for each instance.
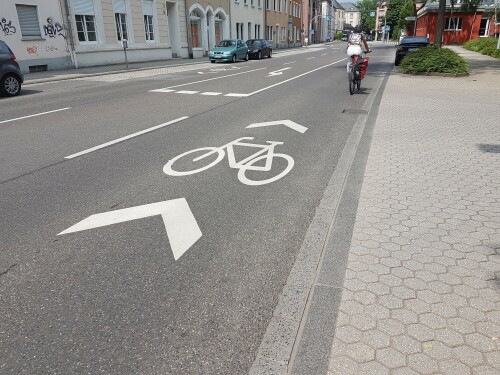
(349, 110)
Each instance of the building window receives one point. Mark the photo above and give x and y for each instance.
(121, 26)
(28, 20)
(148, 28)
(218, 29)
(268, 4)
(85, 20)
(147, 10)
(119, 8)
(85, 28)
(195, 21)
(453, 23)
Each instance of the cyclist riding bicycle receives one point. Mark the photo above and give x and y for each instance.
(354, 42)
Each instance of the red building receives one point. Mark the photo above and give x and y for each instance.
(459, 26)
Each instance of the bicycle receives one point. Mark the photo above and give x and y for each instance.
(354, 73)
(247, 164)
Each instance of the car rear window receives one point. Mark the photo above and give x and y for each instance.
(414, 40)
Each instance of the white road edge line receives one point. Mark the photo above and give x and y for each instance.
(125, 138)
(37, 114)
(300, 75)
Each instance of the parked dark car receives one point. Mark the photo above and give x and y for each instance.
(409, 44)
(258, 48)
(11, 76)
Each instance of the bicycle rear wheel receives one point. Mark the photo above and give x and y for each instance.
(352, 82)
(194, 167)
(358, 84)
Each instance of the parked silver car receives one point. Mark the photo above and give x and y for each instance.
(11, 76)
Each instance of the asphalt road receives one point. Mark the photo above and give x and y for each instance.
(186, 287)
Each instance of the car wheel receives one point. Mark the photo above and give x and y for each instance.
(397, 61)
(233, 60)
(270, 54)
(10, 85)
(246, 57)
(259, 56)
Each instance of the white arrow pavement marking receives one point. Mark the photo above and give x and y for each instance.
(182, 228)
(278, 72)
(289, 123)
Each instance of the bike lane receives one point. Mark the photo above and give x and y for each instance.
(117, 293)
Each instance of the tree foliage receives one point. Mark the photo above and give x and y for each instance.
(365, 7)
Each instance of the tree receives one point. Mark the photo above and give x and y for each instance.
(365, 7)
(438, 41)
(393, 13)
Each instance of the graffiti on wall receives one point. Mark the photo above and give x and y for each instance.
(32, 50)
(51, 48)
(52, 29)
(7, 28)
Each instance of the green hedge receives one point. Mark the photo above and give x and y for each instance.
(434, 60)
(486, 46)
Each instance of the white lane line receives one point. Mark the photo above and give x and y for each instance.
(309, 58)
(300, 75)
(324, 54)
(125, 138)
(211, 93)
(187, 92)
(161, 90)
(237, 95)
(37, 114)
(291, 62)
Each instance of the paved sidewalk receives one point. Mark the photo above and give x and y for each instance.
(422, 287)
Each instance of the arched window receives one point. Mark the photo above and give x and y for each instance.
(219, 33)
(195, 19)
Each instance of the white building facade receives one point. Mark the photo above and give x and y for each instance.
(247, 19)
(35, 32)
(150, 29)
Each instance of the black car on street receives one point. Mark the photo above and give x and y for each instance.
(11, 76)
(258, 48)
(409, 44)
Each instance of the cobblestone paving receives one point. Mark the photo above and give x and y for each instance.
(422, 286)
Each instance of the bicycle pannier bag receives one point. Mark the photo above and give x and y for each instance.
(364, 66)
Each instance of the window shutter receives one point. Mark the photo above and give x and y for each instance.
(147, 7)
(83, 7)
(28, 19)
(119, 6)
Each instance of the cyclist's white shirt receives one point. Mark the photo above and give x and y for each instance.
(354, 48)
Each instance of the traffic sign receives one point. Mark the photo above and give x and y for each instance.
(372, 14)
(387, 28)
(327, 18)
(413, 18)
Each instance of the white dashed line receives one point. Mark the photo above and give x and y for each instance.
(211, 93)
(235, 94)
(161, 90)
(309, 58)
(187, 92)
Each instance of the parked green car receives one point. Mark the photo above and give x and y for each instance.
(229, 50)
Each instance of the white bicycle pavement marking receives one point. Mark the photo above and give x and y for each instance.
(266, 152)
